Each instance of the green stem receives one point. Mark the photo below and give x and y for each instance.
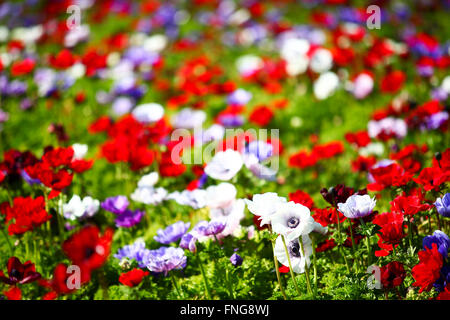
(308, 282)
(208, 293)
(290, 267)
(11, 249)
(277, 270)
(174, 282)
(229, 284)
(354, 247)
(315, 265)
(340, 240)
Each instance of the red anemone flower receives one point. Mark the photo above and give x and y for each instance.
(87, 248)
(19, 273)
(427, 271)
(133, 278)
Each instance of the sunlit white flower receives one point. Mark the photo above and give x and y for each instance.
(298, 260)
(224, 165)
(77, 208)
(362, 85)
(231, 216)
(294, 48)
(375, 148)
(388, 126)
(292, 220)
(249, 64)
(79, 150)
(149, 195)
(196, 198)
(155, 43)
(265, 206)
(76, 35)
(148, 112)
(325, 85)
(221, 195)
(148, 180)
(357, 206)
(321, 60)
(189, 119)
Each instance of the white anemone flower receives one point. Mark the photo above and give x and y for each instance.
(265, 205)
(357, 206)
(231, 216)
(196, 199)
(79, 150)
(298, 260)
(148, 112)
(292, 220)
(321, 60)
(221, 195)
(224, 165)
(77, 208)
(148, 180)
(325, 85)
(149, 195)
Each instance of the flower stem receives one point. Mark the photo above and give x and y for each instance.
(340, 240)
(174, 282)
(354, 247)
(290, 267)
(277, 270)
(308, 282)
(208, 293)
(229, 284)
(11, 249)
(315, 265)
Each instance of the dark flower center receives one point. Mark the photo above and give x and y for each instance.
(88, 252)
(294, 249)
(15, 274)
(293, 222)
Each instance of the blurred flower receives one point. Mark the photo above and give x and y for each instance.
(224, 165)
(79, 209)
(88, 248)
(19, 273)
(148, 112)
(188, 242)
(236, 260)
(129, 218)
(136, 251)
(116, 205)
(172, 233)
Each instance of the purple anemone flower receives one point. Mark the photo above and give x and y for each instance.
(215, 227)
(116, 205)
(443, 205)
(236, 260)
(166, 259)
(136, 251)
(129, 218)
(188, 242)
(442, 241)
(172, 233)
